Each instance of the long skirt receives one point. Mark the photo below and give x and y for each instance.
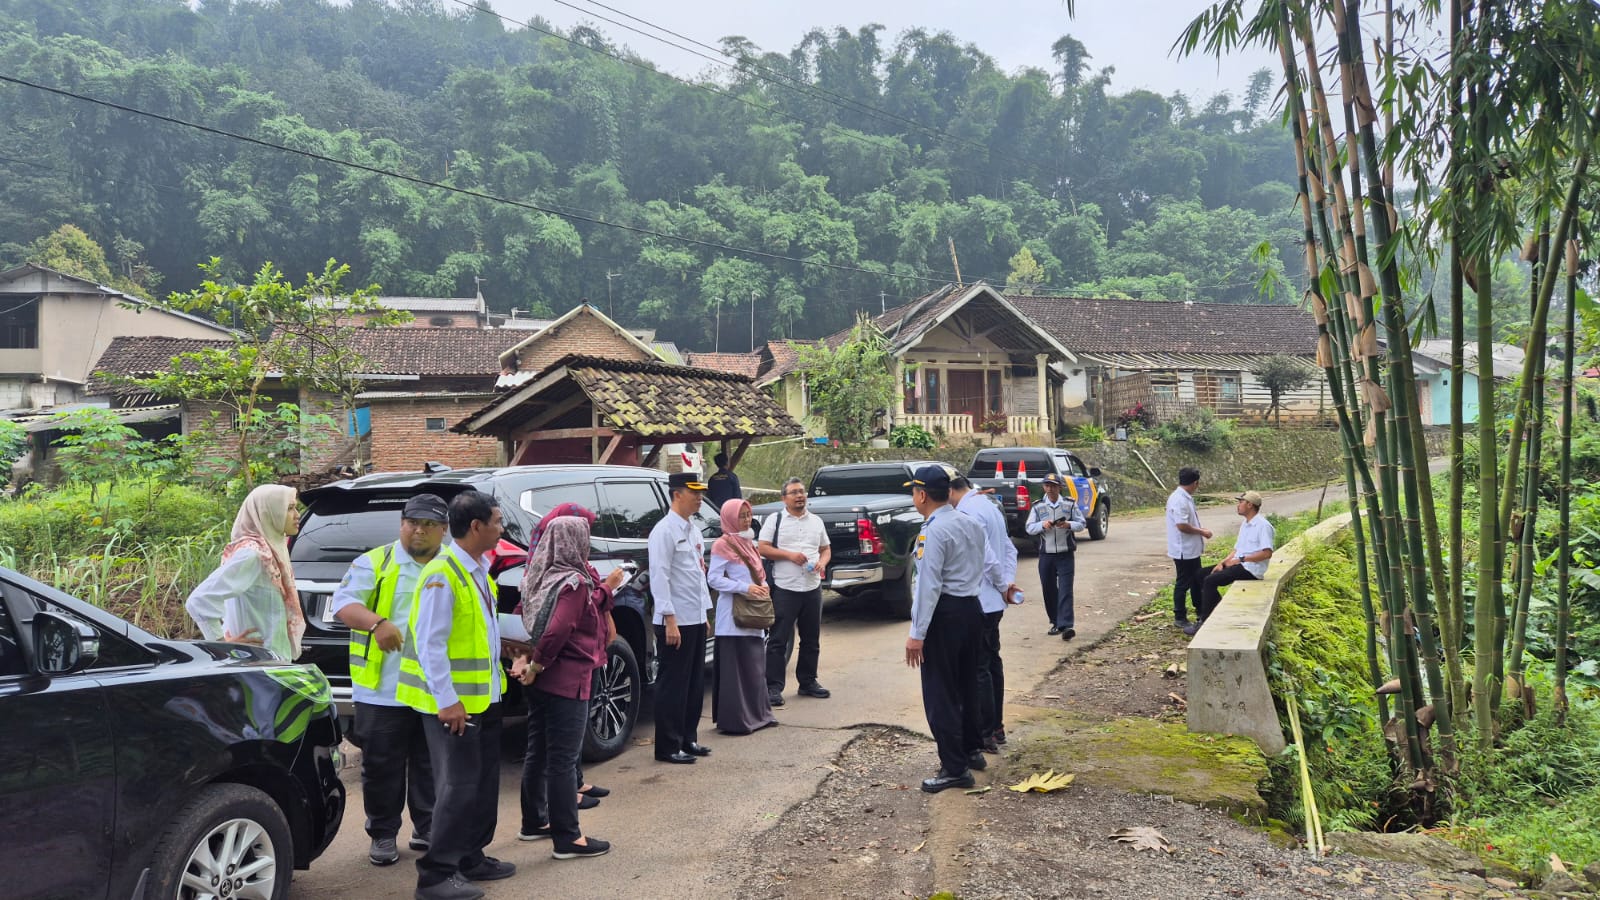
(739, 702)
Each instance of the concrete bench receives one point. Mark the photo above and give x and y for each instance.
(1228, 689)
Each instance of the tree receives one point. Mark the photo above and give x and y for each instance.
(851, 385)
(1026, 273)
(1279, 375)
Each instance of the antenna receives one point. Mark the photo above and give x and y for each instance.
(953, 261)
(611, 308)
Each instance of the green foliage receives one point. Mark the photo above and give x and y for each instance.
(1090, 433)
(1281, 374)
(1026, 273)
(70, 251)
(1197, 430)
(1137, 416)
(13, 445)
(95, 448)
(911, 437)
(851, 385)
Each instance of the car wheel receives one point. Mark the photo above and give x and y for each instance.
(1100, 522)
(897, 596)
(229, 841)
(614, 703)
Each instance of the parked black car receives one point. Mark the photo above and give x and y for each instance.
(347, 518)
(132, 766)
(872, 527)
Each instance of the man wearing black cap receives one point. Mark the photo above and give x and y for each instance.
(374, 600)
(1055, 519)
(947, 627)
(678, 588)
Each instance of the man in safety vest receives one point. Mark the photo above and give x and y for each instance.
(374, 600)
(450, 673)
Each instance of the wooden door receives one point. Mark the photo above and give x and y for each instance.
(967, 395)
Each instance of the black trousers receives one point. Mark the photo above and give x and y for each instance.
(550, 779)
(950, 696)
(1056, 572)
(394, 769)
(680, 689)
(1186, 588)
(466, 775)
(1211, 588)
(794, 611)
(991, 676)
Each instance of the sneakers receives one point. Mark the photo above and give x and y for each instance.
(590, 847)
(1192, 629)
(383, 852)
(453, 888)
(490, 869)
(419, 843)
(815, 690)
(535, 834)
(1068, 634)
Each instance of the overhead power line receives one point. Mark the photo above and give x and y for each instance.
(942, 278)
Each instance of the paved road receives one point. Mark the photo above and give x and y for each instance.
(672, 824)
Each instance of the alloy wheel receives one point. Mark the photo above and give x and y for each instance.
(234, 861)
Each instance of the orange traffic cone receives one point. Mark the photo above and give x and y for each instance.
(999, 470)
(1022, 470)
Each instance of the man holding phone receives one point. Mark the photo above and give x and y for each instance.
(1055, 520)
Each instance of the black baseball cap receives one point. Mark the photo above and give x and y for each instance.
(426, 506)
(690, 480)
(931, 477)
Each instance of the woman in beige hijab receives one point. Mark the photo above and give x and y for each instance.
(251, 597)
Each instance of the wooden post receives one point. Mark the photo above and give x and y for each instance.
(594, 442)
(1041, 360)
(738, 454)
(616, 439)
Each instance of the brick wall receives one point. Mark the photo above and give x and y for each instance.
(581, 334)
(401, 440)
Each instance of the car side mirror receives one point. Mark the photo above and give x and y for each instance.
(61, 645)
(640, 583)
(1094, 472)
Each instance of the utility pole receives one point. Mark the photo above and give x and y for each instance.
(716, 347)
(752, 321)
(611, 309)
(883, 302)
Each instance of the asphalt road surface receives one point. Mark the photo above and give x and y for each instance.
(670, 825)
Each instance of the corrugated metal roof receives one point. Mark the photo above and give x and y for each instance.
(1157, 362)
(128, 416)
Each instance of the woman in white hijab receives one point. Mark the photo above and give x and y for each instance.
(251, 598)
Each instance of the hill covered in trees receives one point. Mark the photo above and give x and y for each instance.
(845, 166)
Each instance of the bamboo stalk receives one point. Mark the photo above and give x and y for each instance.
(1456, 630)
(1564, 529)
(1308, 797)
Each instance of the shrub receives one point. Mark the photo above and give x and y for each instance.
(1198, 431)
(1137, 416)
(911, 437)
(70, 522)
(1091, 433)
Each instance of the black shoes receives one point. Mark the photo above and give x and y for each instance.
(586, 802)
(1192, 628)
(595, 790)
(534, 834)
(775, 698)
(490, 869)
(999, 735)
(589, 847)
(698, 750)
(990, 745)
(419, 843)
(383, 852)
(1068, 634)
(943, 781)
(1054, 630)
(815, 690)
(681, 758)
(976, 762)
(453, 888)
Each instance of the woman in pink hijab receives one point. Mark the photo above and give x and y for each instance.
(739, 702)
(251, 598)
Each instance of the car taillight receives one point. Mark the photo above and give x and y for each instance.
(868, 535)
(1023, 499)
(505, 555)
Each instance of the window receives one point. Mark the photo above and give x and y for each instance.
(708, 519)
(19, 322)
(1164, 387)
(434, 424)
(441, 321)
(541, 500)
(629, 509)
(930, 391)
(995, 403)
(11, 660)
(1228, 389)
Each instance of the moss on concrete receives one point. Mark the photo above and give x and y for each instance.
(1141, 756)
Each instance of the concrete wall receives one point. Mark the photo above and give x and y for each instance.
(1433, 396)
(74, 329)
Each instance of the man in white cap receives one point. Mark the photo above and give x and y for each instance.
(1248, 562)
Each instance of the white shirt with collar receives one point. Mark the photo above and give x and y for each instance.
(678, 571)
(357, 590)
(1181, 510)
(999, 554)
(1255, 533)
(805, 533)
(435, 604)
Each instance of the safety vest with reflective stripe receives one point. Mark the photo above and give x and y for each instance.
(472, 661)
(366, 657)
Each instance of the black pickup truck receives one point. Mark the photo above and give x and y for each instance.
(1017, 476)
(872, 527)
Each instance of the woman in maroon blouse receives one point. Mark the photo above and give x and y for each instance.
(559, 675)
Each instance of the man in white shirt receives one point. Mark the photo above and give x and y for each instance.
(998, 588)
(1055, 520)
(678, 589)
(796, 540)
(1186, 540)
(1251, 553)
(374, 600)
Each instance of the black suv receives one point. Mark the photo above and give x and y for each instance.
(132, 766)
(347, 518)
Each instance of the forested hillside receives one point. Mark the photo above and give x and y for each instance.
(851, 161)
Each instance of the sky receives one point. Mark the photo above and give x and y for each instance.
(1133, 36)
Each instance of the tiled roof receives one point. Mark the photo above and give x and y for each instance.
(657, 399)
(747, 364)
(1101, 325)
(423, 304)
(137, 356)
(785, 357)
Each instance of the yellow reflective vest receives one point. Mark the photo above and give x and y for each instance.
(472, 661)
(366, 657)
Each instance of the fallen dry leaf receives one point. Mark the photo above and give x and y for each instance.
(979, 790)
(1052, 696)
(1141, 837)
(1317, 870)
(919, 846)
(1043, 783)
(1177, 701)
(1216, 851)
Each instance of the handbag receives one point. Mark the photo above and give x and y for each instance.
(753, 612)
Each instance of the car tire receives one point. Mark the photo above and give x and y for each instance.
(224, 815)
(1100, 522)
(897, 596)
(618, 693)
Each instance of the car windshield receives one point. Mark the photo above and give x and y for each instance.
(340, 532)
(860, 480)
(983, 466)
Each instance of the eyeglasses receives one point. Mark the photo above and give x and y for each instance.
(795, 493)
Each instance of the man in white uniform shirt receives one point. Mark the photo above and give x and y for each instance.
(797, 542)
(1186, 540)
(1251, 553)
(995, 591)
(678, 587)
